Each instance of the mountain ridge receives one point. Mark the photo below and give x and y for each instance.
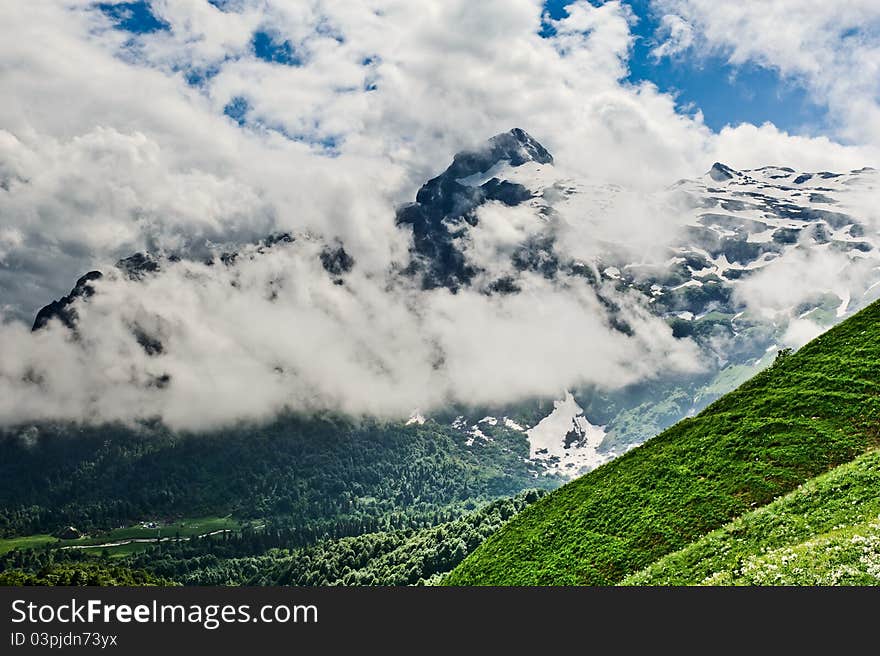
(735, 225)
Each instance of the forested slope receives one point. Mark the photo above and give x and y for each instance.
(319, 477)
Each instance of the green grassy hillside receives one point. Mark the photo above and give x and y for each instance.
(808, 413)
(849, 556)
(826, 532)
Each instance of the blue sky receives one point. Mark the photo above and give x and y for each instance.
(133, 17)
(727, 95)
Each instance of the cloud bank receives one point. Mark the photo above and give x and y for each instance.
(273, 331)
(212, 124)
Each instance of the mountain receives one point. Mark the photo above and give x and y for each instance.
(730, 228)
(63, 309)
(370, 495)
(269, 555)
(388, 558)
(733, 224)
(447, 204)
(809, 412)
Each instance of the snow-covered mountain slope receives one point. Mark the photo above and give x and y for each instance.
(502, 216)
(754, 261)
(742, 263)
(743, 222)
(446, 205)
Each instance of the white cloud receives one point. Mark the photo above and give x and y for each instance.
(747, 146)
(801, 331)
(106, 149)
(796, 277)
(274, 332)
(676, 36)
(832, 48)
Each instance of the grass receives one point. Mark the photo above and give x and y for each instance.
(849, 556)
(26, 542)
(805, 537)
(184, 528)
(808, 413)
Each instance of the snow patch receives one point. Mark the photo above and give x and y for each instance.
(476, 433)
(844, 304)
(689, 283)
(415, 418)
(510, 423)
(565, 441)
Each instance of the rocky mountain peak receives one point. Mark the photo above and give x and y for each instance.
(447, 204)
(721, 172)
(62, 308)
(515, 146)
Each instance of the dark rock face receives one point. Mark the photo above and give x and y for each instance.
(138, 265)
(336, 261)
(515, 146)
(135, 267)
(445, 206)
(509, 193)
(737, 224)
(229, 258)
(150, 344)
(278, 238)
(61, 309)
(743, 252)
(808, 214)
(575, 437)
(786, 235)
(537, 254)
(505, 285)
(820, 234)
(721, 172)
